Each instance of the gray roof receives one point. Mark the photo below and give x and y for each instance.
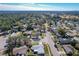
(38, 48)
(65, 40)
(68, 48)
(35, 38)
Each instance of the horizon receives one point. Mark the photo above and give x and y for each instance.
(39, 6)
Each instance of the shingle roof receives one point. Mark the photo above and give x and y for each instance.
(65, 41)
(38, 48)
(20, 50)
(68, 48)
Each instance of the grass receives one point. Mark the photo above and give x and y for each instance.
(42, 35)
(50, 51)
(46, 49)
(35, 43)
(76, 52)
(60, 48)
(55, 38)
(30, 53)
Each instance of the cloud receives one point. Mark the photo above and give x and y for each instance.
(43, 5)
(32, 6)
(22, 7)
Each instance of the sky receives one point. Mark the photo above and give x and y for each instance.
(39, 6)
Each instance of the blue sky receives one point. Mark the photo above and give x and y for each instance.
(39, 6)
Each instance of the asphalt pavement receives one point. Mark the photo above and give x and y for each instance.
(51, 44)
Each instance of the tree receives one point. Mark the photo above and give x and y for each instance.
(73, 43)
(61, 32)
(9, 46)
(29, 27)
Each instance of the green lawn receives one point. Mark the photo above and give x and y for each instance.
(30, 53)
(46, 49)
(35, 43)
(42, 35)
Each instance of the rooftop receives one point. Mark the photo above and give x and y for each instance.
(38, 48)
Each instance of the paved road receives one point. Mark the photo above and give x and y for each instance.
(48, 40)
(2, 42)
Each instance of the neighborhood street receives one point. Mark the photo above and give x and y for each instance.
(3, 42)
(50, 42)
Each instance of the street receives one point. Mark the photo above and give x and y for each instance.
(3, 42)
(50, 42)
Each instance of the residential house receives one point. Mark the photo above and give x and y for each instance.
(76, 39)
(77, 46)
(21, 51)
(65, 40)
(16, 34)
(35, 37)
(68, 49)
(29, 33)
(38, 49)
(3, 33)
(71, 33)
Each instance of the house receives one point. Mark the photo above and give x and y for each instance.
(20, 51)
(77, 46)
(15, 29)
(28, 33)
(13, 34)
(38, 49)
(35, 38)
(42, 30)
(71, 33)
(3, 33)
(65, 40)
(23, 30)
(16, 34)
(38, 33)
(76, 39)
(68, 49)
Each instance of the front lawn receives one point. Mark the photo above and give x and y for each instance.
(46, 49)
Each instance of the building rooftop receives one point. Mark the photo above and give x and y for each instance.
(38, 48)
(68, 48)
(65, 40)
(21, 50)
